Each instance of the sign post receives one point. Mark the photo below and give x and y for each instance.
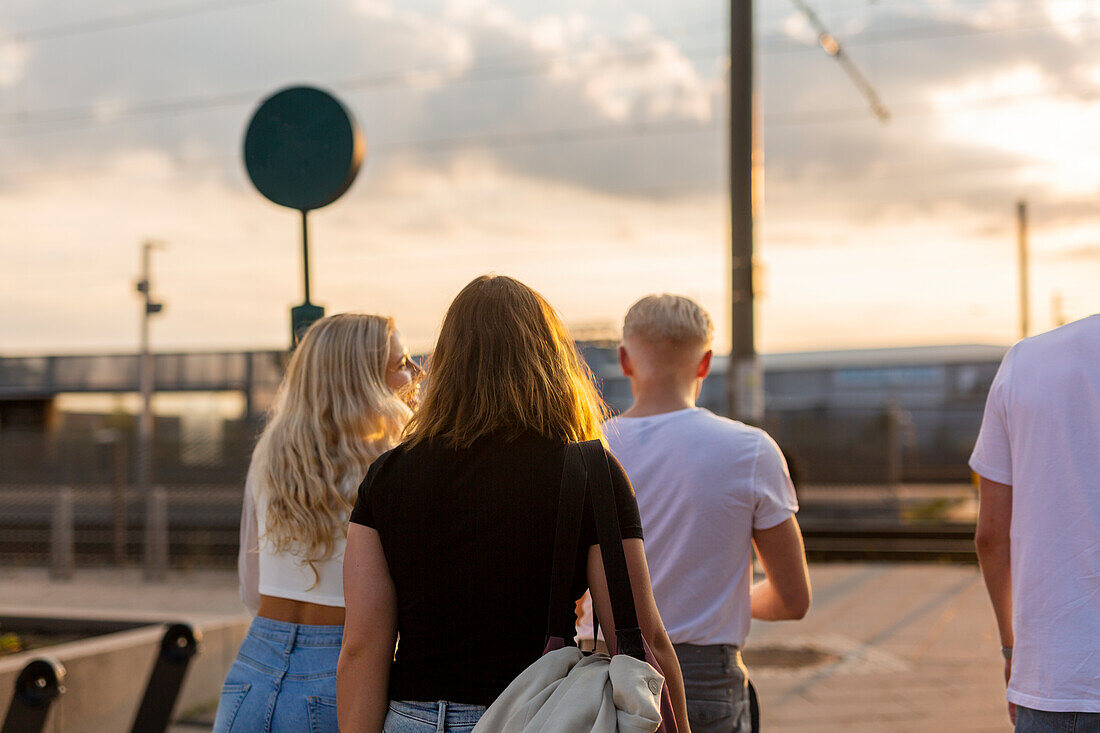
(303, 150)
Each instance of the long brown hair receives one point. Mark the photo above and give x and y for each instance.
(505, 363)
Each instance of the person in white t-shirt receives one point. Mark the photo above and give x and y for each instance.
(708, 488)
(1038, 536)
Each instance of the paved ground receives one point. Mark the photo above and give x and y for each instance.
(916, 650)
(907, 647)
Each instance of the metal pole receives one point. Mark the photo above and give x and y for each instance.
(1021, 243)
(145, 374)
(118, 498)
(61, 536)
(156, 534)
(742, 366)
(305, 252)
(894, 455)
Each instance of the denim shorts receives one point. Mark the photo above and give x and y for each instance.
(1040, 721)
(716, 687)
(431, 717)
(283, 680)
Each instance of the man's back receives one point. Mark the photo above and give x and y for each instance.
(703, 483)
(1041, 436)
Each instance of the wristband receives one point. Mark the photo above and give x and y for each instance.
(1006, 652)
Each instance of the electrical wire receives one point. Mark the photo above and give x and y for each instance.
(921, 34)
(129, 20)
(65, 118)
(833, 48)
(413, 78)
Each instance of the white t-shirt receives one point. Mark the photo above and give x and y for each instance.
(262, 571)
(703, 483)
(1041, 435)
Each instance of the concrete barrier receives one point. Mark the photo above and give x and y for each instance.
(107, 674)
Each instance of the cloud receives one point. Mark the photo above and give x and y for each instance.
(13, 58)
(633, 112)
(583, 149)
(451, 81)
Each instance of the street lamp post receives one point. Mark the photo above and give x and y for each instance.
(146, 374)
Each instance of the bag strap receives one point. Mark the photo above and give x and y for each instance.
(628, 634)
(567, 536)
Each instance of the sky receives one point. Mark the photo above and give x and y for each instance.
(577, 146)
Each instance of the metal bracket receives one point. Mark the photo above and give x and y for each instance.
(179, 645)
(37, 687)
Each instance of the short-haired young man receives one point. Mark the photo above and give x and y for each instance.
(708, 488)
(1038, 538)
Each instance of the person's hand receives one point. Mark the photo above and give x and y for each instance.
(1011, 705)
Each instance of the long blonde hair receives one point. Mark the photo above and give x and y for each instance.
(505, 362)
(334, 415)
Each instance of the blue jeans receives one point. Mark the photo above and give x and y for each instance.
(716, 684)
(1041, 721)
(283, 680)
(431, 717)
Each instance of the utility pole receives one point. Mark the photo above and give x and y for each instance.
(145, 372)
(1022, 252)
(744, 387)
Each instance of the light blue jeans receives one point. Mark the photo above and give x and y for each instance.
(283, 680)
(431, 717)
(1041, 721)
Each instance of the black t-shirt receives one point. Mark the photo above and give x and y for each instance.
(469, 539)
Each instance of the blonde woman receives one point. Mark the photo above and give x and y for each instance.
(344, 400)
(451, 539)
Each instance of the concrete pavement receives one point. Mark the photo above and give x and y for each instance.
(894, 648)
(913, 648)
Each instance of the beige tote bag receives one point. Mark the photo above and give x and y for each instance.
(566, 691)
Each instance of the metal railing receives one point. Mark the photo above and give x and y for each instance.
(42, 683)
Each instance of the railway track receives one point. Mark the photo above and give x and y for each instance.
(216, 546)
(940, 542)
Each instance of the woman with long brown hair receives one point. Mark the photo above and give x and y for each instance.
(344, 400)
(452, 536)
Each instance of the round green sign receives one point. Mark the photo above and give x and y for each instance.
(303, 149)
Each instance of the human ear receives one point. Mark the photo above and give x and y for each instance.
(624, 362)
(704, 365)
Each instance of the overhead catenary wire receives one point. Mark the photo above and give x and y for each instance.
(502, 139)
(423, 77)
(565, 136)
(159, 108)
(832, 47)
(921, 34)
(127, 20)
(513, 139)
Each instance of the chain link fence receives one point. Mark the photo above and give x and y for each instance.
(882, 446)
(72, 499)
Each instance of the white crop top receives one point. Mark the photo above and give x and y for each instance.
(262, 571)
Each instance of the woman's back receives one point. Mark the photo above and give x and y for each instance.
(289, 573)
(468, 535)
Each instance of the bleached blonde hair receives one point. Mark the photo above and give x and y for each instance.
(333, 416)
(673, 320)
